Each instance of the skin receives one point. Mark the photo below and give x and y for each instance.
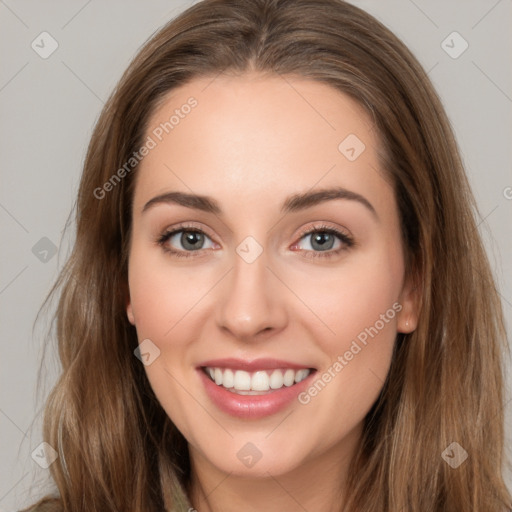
(250, 142)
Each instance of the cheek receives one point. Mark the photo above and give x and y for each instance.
(161, 294)
(358, 297)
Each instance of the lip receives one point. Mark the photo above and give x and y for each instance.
(252, 407)
(254, 365)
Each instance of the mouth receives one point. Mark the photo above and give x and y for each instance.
(255, 389)
(259, 382)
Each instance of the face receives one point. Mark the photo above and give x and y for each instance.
(271, 302)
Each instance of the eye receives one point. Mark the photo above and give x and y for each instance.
(321, 240)
(183, 240)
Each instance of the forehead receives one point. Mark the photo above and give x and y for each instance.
(259, 136)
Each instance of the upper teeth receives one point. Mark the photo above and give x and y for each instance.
(262, 380)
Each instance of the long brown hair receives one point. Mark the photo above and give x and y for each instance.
(117, 448)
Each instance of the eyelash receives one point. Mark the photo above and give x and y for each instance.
(347, 240)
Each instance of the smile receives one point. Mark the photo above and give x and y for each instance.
(254, 389)
(253, 383)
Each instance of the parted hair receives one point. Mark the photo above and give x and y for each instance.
(118, 450)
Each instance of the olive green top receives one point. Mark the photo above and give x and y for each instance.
(45, 505)
(49, 504)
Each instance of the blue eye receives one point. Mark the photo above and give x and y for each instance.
(192, 240)
(322, 240)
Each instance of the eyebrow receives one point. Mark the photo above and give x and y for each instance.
(293, 203)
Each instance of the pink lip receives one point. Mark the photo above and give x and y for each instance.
(252, 407)
(252, 366)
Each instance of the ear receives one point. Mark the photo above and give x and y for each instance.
(129, 312)
(129, 309)
(125, 294)
(410, 300)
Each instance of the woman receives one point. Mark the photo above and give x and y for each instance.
(277, 298)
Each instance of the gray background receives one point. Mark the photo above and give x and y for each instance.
(48, 109)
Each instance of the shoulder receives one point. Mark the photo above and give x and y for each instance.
(45, 505)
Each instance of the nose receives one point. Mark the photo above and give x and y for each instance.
(251, 301)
